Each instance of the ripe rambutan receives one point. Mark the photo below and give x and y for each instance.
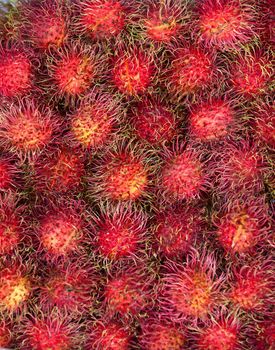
(133, 70)
(110, 335)
(264, 123)
(251, 74)
(191, 290)
(243, 226)
(154, 122)
(59, 172)
(16, 70)
(161, 335)
(8, 172)
(225, 23)
(182, 175)
(128, 291)
(191, 70)
(26, 127)
(61, 230)
(101, 19)
(120, 232)
(44, 23)
(175, 230)
(212, 120)
(93, 124)
(262, 336)
(69, 287)
(5, 333)
(121, 174)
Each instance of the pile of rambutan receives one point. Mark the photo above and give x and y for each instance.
(137, 174)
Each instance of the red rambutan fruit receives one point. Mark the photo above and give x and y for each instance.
(243, 226)
(226, 23)
(109, 336)
(175, 230)
(212, 120)
(128, 291)
(121, 174)
(93, 124)
(61, 231)
(191, 70)
(16, 72)
(26, 127)
(101, 19)
(264, 123)
(161, 335)
(263, 335)
(182, 175)
(69, 287)
(191, 290)
(251, 74)
(154, 122)
(267, 20)
(60, 171)
(5, 334)
(133, 71)
(44, 23)
(8, 172)
(119, 232)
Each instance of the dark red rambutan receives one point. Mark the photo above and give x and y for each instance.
(120, 231)
(8, 172)
(226, 24)
(191, 70)
(212, 120)
(132, 70)
(102, 19)
(267, 20)
(94, 122)
(264, 123)
(182, 175)
(262, 336)
(251, 73)
(61, 230)
(154, 122)
(243, 226)
(121, 174)
(110, 335)
(60, 171)
(175, 230)
(128, 292)
(69, 287)
(44, 23)
(26, 127)
(161, 335)
(5, 333)
(16, 71)
(191, 290)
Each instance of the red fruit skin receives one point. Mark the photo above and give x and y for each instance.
(8, 173)
(251, 74)
(175, 230)
(27, 127)
(94, 123)
(16, 71)
(154, 122)
(102, 19)
(212, 120)
(264, 123)
(243, 227)
(192, 71)
(161, 335)
(190, 291)
(44, 24)
(226, 24)
(262, 335)
(267, 12)
(119, 232)
(5, 333)
(110, 335)
(132, 71)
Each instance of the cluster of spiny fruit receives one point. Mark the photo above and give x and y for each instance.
(136, 180)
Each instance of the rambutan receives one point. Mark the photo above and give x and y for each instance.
(175, 230)
(119, 232)
(226, 24)
(8, 172)
(262, 336)
(101, 19)
(191, 290)
(93, 124)
(16, 71)
(44, 23)
(26, 127)
(212, 120)
(264, 123)
(133, 70)
(5, 334)
(154, 122)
